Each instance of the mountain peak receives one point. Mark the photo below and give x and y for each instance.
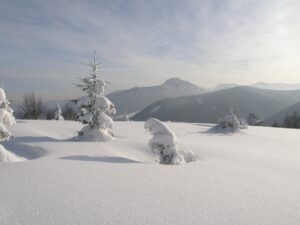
(175, 81)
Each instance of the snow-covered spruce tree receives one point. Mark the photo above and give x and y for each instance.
(7, 118)
(58, 113)
(95, 107)
(164, 144)
(6, 121)
(231, 122)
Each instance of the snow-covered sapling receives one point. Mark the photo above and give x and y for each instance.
(6, 121)
(7, 118)
(58, 113)
(164, 144)
(95, 108)
(232, 122)
(254, 120)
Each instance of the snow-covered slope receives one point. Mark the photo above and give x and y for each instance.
(248, 178)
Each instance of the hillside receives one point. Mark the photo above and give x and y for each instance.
(279, 116)
(135, 99)
(210, 106)
(277, 86)
(249, 178)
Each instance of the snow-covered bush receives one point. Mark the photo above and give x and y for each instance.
(254, 120)
(95, 108)
(58, 113)
(7, 118)
(231, 122)
(6, 121)
(164, 144)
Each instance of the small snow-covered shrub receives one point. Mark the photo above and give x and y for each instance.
(7, 118)
(95, 108)
(254, 120)
(58, 113)
(231, 122)
(6, 121)
(164, 144)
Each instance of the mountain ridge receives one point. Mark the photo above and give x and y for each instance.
(136, 98)
(210, 106)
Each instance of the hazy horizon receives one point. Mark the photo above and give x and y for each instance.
(45, 46)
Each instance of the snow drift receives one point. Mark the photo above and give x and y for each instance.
(249, 178)
(6, 156)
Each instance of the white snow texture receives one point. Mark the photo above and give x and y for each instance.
(249, 178)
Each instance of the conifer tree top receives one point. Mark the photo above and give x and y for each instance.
(93, 85)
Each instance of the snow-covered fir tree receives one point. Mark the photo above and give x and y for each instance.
(164, 144)
(95, 108)
(7, 119)
(231, 122)
(58, 113)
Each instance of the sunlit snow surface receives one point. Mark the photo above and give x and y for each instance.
(250, 177)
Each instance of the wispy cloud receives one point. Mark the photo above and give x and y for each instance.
(144, 42)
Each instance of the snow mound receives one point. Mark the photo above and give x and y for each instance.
(249, 178)
(7, 156)
(99, 134)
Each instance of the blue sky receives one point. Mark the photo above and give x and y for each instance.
(45, 45)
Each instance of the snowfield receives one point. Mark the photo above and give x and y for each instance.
(248, 178)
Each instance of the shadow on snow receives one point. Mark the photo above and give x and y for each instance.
(105, 159)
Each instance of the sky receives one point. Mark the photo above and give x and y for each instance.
(45, 46)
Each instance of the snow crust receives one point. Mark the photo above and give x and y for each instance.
(249, 178)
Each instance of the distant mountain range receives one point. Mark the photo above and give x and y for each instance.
(180, 100)
(277, 86)
(135, 99)
(263, 85)
(210, 106)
